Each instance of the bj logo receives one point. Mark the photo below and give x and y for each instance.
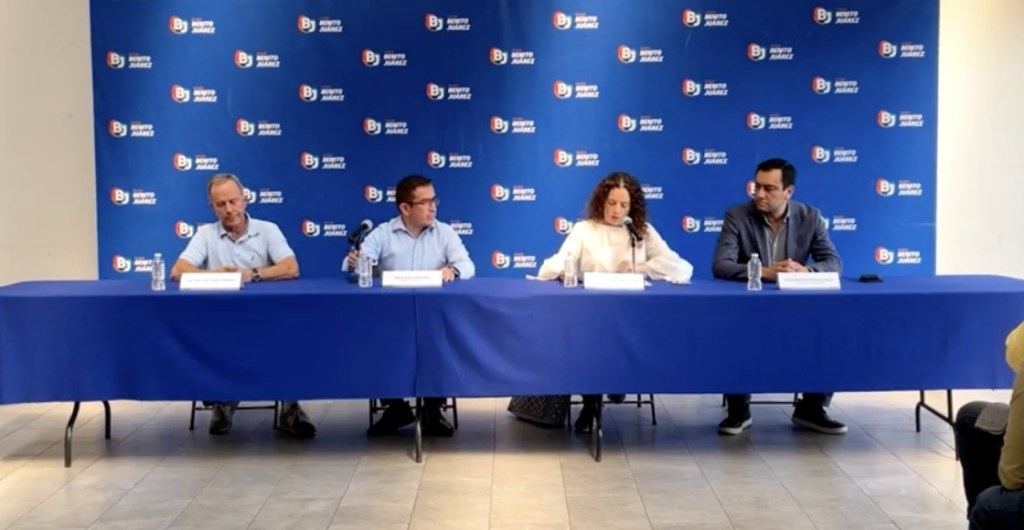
(500, 260)
(561, 21)
(690, 224)
(306, 24)
(821, 16)
(435, 92)
(177, 25)
(309, 161)
(626, 54)
(562, 90)
(691, 19)
(562, 158)
(884, 256)
(373, 194)
(184, 230)
(180, 94)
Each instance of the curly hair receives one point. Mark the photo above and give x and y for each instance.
(619, 179)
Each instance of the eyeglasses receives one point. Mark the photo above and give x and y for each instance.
(426, 202)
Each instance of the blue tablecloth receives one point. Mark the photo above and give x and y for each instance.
(80, 341)
(83, 341)
(501, 337)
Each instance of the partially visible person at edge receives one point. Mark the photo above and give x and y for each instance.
(990, 444)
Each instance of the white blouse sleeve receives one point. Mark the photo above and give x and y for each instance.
(554, 266)
(662, 262)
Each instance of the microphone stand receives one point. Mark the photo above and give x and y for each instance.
(632, 245)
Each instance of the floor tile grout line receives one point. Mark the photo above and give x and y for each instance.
(334, 515)
(704, 475)
(914, 471)
(872, 497)
(790, 492)
(629, 465)
(131, 489)
(494, 461)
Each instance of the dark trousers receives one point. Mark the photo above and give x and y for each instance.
(989, 505)
(810, 401)
(978, 451)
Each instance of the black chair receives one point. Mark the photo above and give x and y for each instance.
(199, 406)
(640, 401)
(453, 405)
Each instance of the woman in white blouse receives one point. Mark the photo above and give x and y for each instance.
(602, 244)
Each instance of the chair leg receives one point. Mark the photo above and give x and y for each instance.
(106, 420)
(455, 413)
(192, 418)
(372, 411)
(654, 414)
(277, 413)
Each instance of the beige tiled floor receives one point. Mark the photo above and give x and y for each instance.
(496, 473)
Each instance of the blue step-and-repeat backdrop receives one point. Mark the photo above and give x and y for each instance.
(515, 110)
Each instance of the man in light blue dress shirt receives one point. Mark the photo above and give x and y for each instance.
(258, 250)
(415, 240)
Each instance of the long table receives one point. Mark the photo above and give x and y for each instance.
(327, 339)
(495, 338)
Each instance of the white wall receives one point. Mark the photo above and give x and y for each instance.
(47, 168)
(981, 148)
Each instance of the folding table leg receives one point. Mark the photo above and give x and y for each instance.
(68, 433)
(418, 449)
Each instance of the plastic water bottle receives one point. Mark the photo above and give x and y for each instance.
(158, 280)
(364, 268)
(754, 273)
(570, 275)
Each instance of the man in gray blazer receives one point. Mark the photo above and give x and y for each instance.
(789, 237)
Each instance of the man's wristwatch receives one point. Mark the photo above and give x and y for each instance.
(256, 278)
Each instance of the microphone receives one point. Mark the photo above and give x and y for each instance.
(633, 232)
(356, 238)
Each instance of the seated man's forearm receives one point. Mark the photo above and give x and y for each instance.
(287, 269)
(181, 266)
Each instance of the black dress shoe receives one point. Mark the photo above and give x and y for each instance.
(436, 426)
(584, 423)
(296, 423)
(818, 420)
(395, 417)
(223, 416)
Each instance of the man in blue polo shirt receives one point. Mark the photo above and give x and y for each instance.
(415, 240)
(260, 252)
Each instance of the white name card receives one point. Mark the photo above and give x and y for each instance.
(211, 281)
(809, 281)
(411, 279)
(613, 281)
